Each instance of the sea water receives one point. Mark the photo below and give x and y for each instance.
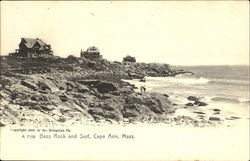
(223, 87)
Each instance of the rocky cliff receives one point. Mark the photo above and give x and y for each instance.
(51, 91)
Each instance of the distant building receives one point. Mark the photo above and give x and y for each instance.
(91, 53)
(33, 48)
(129, 59)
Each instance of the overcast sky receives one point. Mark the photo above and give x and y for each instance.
(179, 33)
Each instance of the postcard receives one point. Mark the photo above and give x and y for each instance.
(124, 80)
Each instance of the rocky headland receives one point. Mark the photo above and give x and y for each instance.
(52, 91)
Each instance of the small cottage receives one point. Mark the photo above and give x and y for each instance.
(33, 48)
(129, 59)
(91, 53)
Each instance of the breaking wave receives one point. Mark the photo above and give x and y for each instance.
(181, 80)
(230, 100)
(229, 82)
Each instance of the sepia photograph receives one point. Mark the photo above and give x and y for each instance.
(124, 80)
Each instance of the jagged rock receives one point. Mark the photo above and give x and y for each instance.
(96, 111)
(39, 97)
(63, 98)
(115, 115)
(18, 91)
(48, 107)
(106, 96)
(53, 99)
(133, 98)
(193, 98)
(214, 118)
(152, 74)
(156, 109)
(27, 102)
(202, 113)
(60, 96)
(9, 110)
(6, 81)
(90, 83)
(165, 95)
(130, 113)
(156, 70)
(30, 84)
(82, 88)
(125, 91)
(71, 86)
(92, 64)
(65, 108)
(101, 86)
(105, 62)
(62, 119)
(48, 84)
(105, 87)
(199, 103)
(112, 105)
(61, 85)
(162, 101)
(6, 95)
(108, 110)
(158, 103)
(189, 104)
(134, 75)
(234, 117)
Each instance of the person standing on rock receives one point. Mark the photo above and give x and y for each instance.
(143, 88)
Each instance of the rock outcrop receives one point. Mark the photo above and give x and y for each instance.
(62, 89)
(61, 100)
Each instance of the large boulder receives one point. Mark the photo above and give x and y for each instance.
(200, 103)
(46, 84)
(101, 86)
(162, 103)
(193, 98)
(97, 112)
(134, 99)
(105, 87)
(157, 102)
(189, 104)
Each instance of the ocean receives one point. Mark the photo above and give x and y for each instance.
(224, 87)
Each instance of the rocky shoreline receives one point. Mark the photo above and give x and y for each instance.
(57, 91)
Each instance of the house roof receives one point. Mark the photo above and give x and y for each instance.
(92, 49)
(41, 42)
(29, 42)
(129, 57)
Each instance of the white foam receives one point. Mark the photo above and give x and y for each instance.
(181, 80)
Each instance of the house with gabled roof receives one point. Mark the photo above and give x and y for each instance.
(91, 53)
(129, 58)
(33, 48)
